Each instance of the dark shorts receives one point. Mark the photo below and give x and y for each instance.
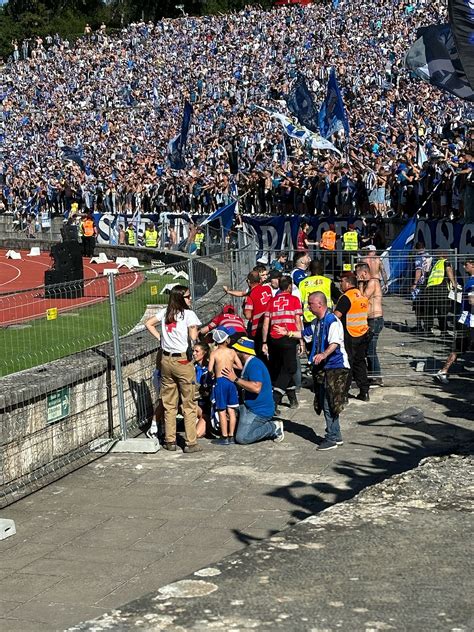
(225, 393)
(464, 340)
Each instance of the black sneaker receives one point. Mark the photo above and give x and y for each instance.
(327, 445)
(339, 442)
(363, 397)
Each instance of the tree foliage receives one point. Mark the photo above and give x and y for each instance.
(20, 19)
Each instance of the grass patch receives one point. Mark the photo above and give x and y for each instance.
(48, 340)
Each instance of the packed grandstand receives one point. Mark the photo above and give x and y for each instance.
(115, 101)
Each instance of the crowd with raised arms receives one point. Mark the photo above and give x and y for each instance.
(115, 101)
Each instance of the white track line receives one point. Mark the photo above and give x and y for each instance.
(9, 265)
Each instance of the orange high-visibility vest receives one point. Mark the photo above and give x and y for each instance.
(88, 228)
(328, 240)
(356, 317)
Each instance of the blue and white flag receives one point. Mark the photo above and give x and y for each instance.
(332, 115)
(300, 133)
(178, 143)
(75, 155)
(300, 102)
(421, 156)
(225, 214)
(396, 259)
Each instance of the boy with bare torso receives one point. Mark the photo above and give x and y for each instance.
(225, 391)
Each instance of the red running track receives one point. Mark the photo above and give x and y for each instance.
(22, 287)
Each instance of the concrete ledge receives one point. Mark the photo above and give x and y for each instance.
(392, 558)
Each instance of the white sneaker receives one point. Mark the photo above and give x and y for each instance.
(152, 434)
(442, 377)
(279, 432)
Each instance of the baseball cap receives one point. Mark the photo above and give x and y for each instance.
(220, 335)
(370, 247)
(245, 345)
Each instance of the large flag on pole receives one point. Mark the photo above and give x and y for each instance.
(178, 143)
(300, 102)
(332, 115)
(434, 58)
(461, 18)
(396, 259)
(225, 214)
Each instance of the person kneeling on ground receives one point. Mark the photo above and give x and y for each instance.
(255, 414)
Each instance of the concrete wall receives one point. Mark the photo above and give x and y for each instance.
(34, 452)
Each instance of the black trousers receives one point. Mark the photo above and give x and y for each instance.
(88, 244)
(435, 300)
(283, 362)
(356, 349)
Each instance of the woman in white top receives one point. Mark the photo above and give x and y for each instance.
(176, 326)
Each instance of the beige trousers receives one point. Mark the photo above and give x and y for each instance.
(178, 379)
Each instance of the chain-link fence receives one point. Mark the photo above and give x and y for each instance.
(419, 297)
(77, 367)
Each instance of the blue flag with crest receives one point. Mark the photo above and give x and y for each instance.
(332, 115)
(178, 143)
(300, 102)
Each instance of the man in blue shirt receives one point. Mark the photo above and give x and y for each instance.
(255, 415)
(330, 365)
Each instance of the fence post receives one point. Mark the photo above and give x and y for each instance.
(135, 445)
(118, 363)
(191, 277)
(455, 319)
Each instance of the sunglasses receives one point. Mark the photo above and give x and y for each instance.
(188, 296)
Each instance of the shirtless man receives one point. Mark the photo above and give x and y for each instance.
(225, 391)
(376, 267)
(371, 288)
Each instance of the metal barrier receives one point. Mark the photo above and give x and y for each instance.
(77, 368)
(420, 307)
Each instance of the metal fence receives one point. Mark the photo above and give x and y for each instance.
(77, 367)
(420, 326)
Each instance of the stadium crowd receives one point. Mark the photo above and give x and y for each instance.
(115, 101)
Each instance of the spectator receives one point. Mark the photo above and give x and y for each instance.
(178, 329)
(256, 412)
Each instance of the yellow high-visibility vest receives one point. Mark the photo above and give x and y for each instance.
(316, 283)
(351, 240)
(437, 274)
(131, 236)
(151, 238)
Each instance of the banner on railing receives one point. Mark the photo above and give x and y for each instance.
(280, 232)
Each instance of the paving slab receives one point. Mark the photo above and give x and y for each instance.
(125, 525)
(392, 558)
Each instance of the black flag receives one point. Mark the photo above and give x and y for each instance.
(434, 58)
(461, 18)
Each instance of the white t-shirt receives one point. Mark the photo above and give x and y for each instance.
(174, 337)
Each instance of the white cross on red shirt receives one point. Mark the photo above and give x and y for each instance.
(281, 302)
